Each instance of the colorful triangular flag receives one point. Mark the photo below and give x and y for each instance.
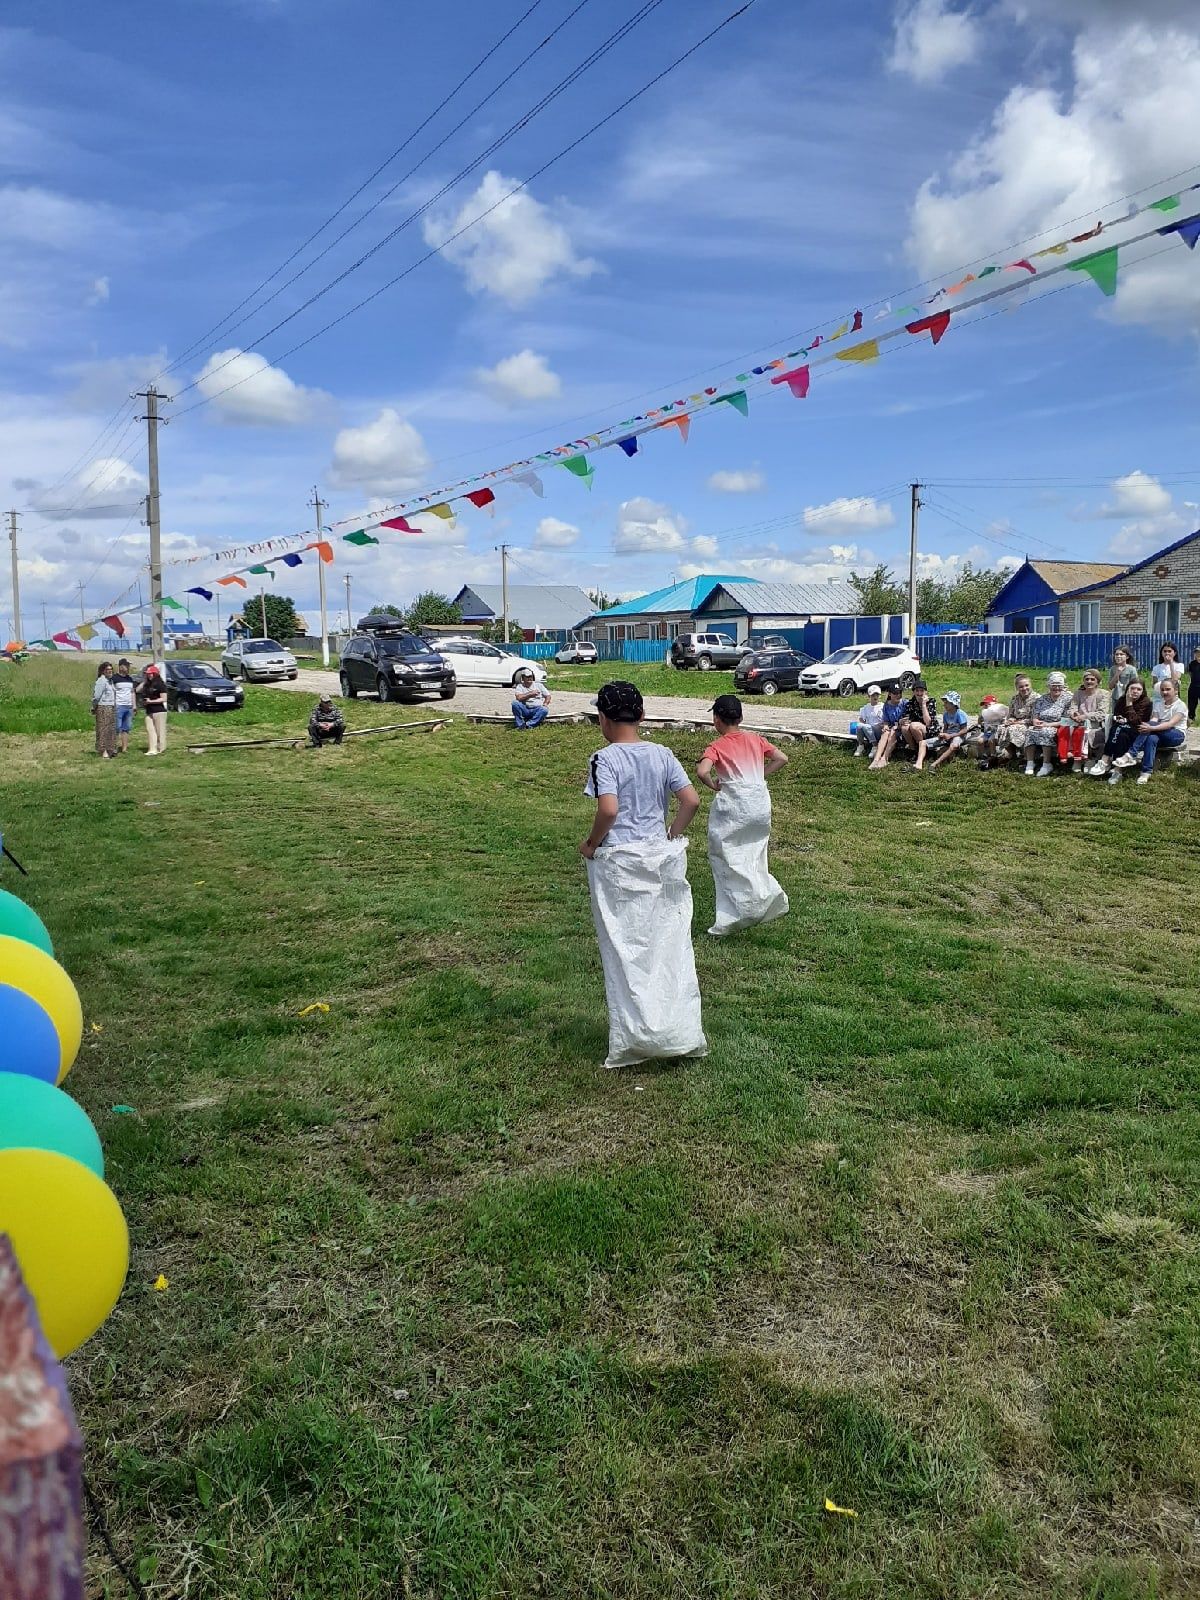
(118, 627)
(531, 482)
(581, 467)
(360, 536)
(291, 560)
(1167, 203)
(233, 578)
(205, 594)
(441, 510)
(1100, 268)
(480, 498)
(868, 350)
(1188, 229)
(86, 631)
(684, 424)
(401, 524)
(935, 326)
(796, 380)
(629, 445)
(737, 399)
(323, 548)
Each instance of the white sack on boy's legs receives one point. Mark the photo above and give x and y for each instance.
(642, 908)
(739, 832)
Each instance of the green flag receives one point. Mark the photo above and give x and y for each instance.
(259, 571)
(359, 536)
(1169, 204)
(581, 467)
(171, 605)
(1101, 269)
(737, 399)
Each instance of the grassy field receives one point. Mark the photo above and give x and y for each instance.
(453, 1313)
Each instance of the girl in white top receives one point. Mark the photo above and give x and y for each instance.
(1169, 666)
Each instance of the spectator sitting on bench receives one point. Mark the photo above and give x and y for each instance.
(950, 740)
(1167, 727)
(326, 724)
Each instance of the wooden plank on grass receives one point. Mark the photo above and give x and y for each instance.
(298, 740)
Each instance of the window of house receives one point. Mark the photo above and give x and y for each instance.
(1043, 624)
(1087, 616)
(1164, 616)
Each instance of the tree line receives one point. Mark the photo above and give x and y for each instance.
(967, 598)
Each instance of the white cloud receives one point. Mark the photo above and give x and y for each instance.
(98, 294)
(515, 250)
(849, 515)
(931, 40)
(386, 456)
(1137, 495)
(102, 385)
(105, 488)
(245, 388)
(820, 565)
(53, 221)
(551, 534)
(520, 379)
(704, 545)
(646, 527)
(746, 481)
(1144, 535)
(1129, 113)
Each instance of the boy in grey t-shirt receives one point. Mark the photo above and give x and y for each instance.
(641, 899)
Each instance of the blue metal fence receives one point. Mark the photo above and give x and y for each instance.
(1067, 651)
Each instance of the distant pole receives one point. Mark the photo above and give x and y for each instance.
(154, 517)
(218, 617)
(348, 628)
(262, 602)
(45, 624)
(318, 506)
(16, 578)
(912, 569)
(504, 590)
(82, 612)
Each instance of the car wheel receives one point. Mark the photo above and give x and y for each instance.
(705, 663)
(770, 687)
(846, 688)
(226, 671)
(349, 692)
(181, 705)
(292, 675)
(384, 689)
(447, 694)
(245, 676)
(907, 679)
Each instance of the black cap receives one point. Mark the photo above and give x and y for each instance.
(728, 707)
(919, 683)
(620, 702)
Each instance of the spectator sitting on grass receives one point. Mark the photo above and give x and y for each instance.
(1167, 727)
(531, 703)
(1049, 712)
(894, 711)
(950, 740)
(870, 722)
(326, 725)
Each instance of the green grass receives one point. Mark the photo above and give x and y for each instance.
(454, 1314)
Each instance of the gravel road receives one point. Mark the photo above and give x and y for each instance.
(760, 713)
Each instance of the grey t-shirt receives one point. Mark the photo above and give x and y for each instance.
(643, 777)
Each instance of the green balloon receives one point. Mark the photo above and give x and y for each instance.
(19, 921)
(34, 1115)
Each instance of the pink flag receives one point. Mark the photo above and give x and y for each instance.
(796, 380)
(935, 326)
(65, 638)
(401, 524)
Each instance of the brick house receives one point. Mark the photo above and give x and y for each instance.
(1160, 595)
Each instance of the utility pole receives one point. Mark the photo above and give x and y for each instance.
(318, 506)
(82, 612)
(45, 624)
(262, 603)
(218, 617)
(912, 569)
(16, 580)
(153, 517)
(349, 630)
(504, 590)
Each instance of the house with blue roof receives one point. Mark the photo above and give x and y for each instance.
(661, 614)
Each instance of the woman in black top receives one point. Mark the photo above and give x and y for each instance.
(1193, 672)
(153, 696)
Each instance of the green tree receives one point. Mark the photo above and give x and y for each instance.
(281, 619)
(600, 600)
(431, 607)
(388, 611)
(973, 592)
(493, 632)
(879, 593)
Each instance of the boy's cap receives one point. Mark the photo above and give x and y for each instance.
(325, 700)
(873, 688)
(952, 697)
(894, 688)
(620, 701)
(988, 700)
(728, 707)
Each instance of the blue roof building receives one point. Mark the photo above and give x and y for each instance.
(661, 614)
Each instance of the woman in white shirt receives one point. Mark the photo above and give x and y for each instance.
(1169, 666)
(104, 710)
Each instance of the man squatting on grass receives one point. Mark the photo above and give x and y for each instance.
(641, 899)
(326, 723)
(735, 767)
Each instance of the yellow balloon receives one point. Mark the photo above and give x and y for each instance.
(70, 1239)
(39, 976)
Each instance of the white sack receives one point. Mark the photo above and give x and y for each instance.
(642, 907)
(739, 829)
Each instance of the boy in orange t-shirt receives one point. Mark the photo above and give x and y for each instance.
(735, 767)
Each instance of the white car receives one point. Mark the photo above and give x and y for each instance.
(578, 650)
(257, 658)
(850, 670)
(476, 662)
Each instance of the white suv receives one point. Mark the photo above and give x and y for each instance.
(850, 670)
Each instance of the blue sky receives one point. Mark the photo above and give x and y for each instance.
(158, 163)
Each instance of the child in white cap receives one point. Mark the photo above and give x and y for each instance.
(869, 723)
(954, 731)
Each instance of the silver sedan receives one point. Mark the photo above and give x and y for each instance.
(258, 659)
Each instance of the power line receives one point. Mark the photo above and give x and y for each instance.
(517, 188)
(387, 193)
(523, 121)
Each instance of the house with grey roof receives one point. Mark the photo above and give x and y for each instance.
(537, 608)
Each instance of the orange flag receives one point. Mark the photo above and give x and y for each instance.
(233, 578)
(323, 548)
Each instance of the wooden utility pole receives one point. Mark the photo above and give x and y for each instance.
(349, 628)
(153, 517)
(912, 569)
(16, 577)
(504, 590)
(318, 506)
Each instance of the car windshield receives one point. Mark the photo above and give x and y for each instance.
(840, 658)
(196, 669)
(404, 644)
(259, 647)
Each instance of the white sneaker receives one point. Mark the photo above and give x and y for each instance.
(1114, 776)
(1143, 777)
(1099, 768)
(1045, 770)
(1126, 761)
(858, 751)
(1029, 769)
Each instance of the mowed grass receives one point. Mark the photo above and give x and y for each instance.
(454, 1313)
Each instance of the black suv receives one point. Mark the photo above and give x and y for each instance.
(384, 659)
(769, 671)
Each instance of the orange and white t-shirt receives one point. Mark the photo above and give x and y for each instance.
(740, 755)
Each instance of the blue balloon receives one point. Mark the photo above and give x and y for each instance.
(29, 1041)
(34, 1115)
(854, 727)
